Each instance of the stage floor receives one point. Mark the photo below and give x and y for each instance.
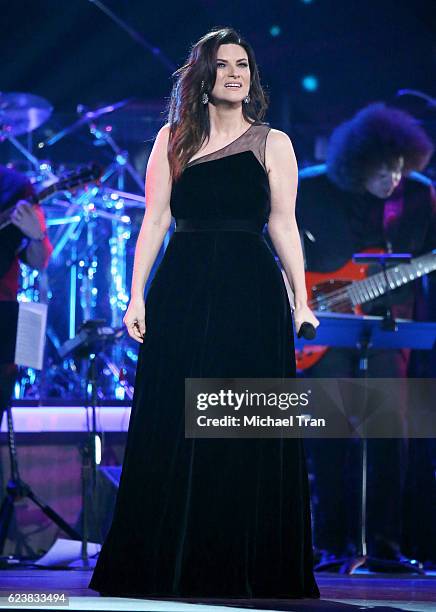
(362, 591)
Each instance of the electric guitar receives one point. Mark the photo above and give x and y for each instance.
(78, 178)
(348, 288)
(84, 175)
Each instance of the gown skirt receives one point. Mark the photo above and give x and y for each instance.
(210, 517)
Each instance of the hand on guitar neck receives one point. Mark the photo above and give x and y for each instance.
(25, 216)
(84, 175)
(29, 219)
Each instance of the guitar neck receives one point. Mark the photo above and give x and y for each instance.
(361, 292)
(84, 175)
(5, 215)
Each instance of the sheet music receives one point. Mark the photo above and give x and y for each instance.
(32, 323)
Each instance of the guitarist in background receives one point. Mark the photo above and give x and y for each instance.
(24, 239)
(367, 195)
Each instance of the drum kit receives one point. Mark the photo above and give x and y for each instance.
(90, 221)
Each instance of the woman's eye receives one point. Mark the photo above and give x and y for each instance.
(222, 64)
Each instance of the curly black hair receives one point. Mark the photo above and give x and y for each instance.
(377, 135)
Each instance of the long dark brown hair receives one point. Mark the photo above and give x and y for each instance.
(187, 116)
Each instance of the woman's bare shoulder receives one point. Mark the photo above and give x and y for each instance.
(278, 140)
(164, 132)
(279, 152)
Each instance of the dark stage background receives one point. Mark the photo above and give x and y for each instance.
(354, 52)
(319, 60)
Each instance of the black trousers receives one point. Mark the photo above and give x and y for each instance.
(335, 468)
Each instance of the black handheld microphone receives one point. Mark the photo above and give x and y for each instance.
(307, 330)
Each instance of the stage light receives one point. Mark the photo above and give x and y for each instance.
(309, 82)
(98, 453)
(275, 30)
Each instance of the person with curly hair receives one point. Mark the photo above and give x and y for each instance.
(213, 517)
(369, 194)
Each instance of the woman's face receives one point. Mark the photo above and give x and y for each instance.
(232, 82)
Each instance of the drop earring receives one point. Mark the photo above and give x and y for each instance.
(204, 96)
(247, 99)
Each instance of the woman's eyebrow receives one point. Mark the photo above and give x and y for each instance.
(244, 59)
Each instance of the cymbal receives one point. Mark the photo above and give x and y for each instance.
(85, 117)
(21, 113)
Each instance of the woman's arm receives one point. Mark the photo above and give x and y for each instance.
(155, 224)
(282, 225)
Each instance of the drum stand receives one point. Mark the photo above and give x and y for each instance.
(17, 489)
(89, 462)
(103, 203)
(92, 338)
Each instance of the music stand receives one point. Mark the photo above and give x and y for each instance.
(363, 333)
(92, 337)
(346, 330)
(16, 488)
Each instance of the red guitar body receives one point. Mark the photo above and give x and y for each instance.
(319, 283)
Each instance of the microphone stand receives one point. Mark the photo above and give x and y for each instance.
(93, 336)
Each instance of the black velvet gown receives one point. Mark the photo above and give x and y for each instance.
(211, 517)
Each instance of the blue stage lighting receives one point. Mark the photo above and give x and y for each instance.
(309, 82)
(275, 30)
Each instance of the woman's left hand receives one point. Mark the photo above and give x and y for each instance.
(303, 314)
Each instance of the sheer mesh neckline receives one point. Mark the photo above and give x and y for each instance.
(192, 161)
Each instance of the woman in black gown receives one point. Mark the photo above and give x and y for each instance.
(212, 517)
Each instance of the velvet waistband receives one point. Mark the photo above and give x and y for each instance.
(219, 225)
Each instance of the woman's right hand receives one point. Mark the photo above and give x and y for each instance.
(134, 319)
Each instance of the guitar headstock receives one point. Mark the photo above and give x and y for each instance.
(82, 176)
(88, 173)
